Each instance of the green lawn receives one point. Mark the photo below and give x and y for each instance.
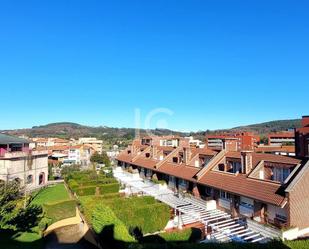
(20, 240)
(50, 194)
(56, 202)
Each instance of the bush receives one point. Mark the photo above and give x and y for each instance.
(189, 235)
(60, 210)
(108, 226)
(73, 185)
(44, 223)
(142, 212)
(99, 181)
(86, 191)
(109, 188)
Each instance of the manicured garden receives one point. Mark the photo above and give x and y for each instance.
(24, 218)
(56, 203)
(135, 222)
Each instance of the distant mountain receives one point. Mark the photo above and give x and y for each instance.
(72, 130)
(260, 129)
(272, 126)
(120, 135)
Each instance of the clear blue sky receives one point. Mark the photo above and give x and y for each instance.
(214, 64)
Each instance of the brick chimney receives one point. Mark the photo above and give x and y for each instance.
(246, 161)
(186, 155)
(154, 152)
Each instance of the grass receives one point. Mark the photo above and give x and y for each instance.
(60, 210)
(54, 193)
(20, 240)
(56, 202)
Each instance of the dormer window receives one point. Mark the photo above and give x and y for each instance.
(147, 155)
(280, 174)
(221, 167)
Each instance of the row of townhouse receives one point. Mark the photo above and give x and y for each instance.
(18, 162)
(263, 188)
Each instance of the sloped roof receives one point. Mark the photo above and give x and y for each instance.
(8, 139)
(242, 185)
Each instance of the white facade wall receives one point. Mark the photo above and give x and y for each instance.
(21, 168)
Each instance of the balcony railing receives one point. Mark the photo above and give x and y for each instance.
(246, 211)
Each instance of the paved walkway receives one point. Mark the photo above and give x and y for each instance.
(191, 210)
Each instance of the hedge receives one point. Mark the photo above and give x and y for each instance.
(142, 212)
(109, 228)
(73, 185)
(109, 188)
(188, 235)
(60, 210)
(86, 191)
(97, 182)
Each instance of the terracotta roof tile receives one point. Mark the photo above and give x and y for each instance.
(241, 185)
(179, 170)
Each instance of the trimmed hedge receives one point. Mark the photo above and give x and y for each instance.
(109, 188)
(60, 210)
(98, 182)
(73, 185)
(110, 229)
(143, 212)
(86, 191)
(188, 235)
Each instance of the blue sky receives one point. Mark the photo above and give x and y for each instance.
(211, 64)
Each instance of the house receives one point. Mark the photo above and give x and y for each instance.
(79, 154)
(18, 162)
(93, 142)
(49, 142)
(284, 150)
(281, 138)
(302, 138)
(263, 188)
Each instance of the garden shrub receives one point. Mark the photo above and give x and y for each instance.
(44, 223)
(73, 185)
(82, 191)
(142, 212)
(109, 228)
(109, 188)
(189, 235)
(60, 210)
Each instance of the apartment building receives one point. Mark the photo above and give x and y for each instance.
(302, 138)
(263, 188)
(283, 150)
(232, 141)
(281, 138)
(79, 154)
(48, 142)
(93, 142)
(19, 162)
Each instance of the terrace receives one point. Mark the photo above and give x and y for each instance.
(219, 225)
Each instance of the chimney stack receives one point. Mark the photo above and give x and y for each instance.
(154, 151)
(246, 161)
(186, 155)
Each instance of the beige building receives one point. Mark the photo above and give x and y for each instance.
(93, 142)
(18, 162)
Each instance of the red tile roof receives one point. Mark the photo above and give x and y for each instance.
(179, 170)
(244, 186)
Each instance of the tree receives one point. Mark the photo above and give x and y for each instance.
(100, 158)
